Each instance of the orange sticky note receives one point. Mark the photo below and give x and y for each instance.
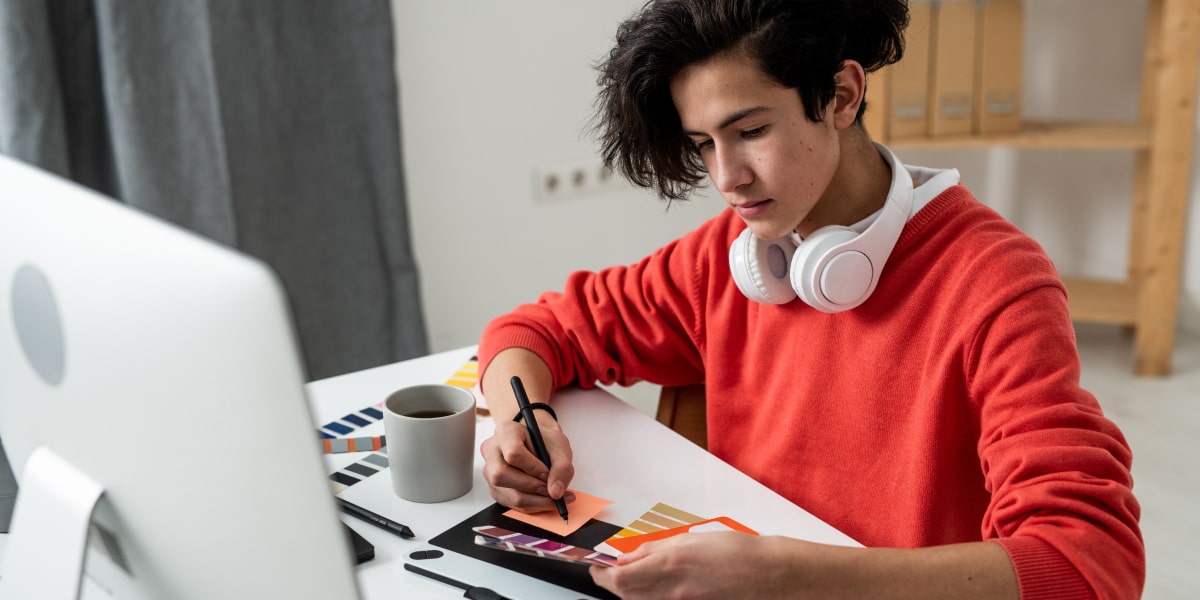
(629, 544)
(579, 512)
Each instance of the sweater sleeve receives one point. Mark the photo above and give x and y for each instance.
(1058, 471)
(620, 325)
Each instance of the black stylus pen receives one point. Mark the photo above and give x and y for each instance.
(377, 520)
(539, 445)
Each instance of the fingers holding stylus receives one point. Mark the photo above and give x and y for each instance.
(562, 465)
(517, 478)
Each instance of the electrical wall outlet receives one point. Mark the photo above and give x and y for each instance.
(572, 180)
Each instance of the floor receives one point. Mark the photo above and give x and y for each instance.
(1161, 420)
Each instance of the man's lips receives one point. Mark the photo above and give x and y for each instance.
(752, 209)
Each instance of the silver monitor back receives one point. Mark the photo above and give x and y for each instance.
(165, 368)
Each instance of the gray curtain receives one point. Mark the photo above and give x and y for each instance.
(268, 125)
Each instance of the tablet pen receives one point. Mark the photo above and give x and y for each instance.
(539, 445)
(476, 592)
(377, 520)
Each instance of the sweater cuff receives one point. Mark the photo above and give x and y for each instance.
(494, 343)
(1043, 572)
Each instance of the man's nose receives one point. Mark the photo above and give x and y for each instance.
(731, 171)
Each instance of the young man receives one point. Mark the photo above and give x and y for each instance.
(922, 393)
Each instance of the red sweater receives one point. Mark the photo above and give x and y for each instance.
(945, 409)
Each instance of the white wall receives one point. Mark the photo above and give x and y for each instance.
(491, 91)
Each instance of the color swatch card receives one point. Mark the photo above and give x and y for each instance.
(521, 543)
(629, 544)
(663, 521)
(579, 512)
(660, 517)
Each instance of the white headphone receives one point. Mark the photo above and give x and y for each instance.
(833, 269)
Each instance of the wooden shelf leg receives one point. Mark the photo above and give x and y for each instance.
(1160, 255)
(1138, 216)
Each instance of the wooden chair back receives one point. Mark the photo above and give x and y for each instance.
(682, 408)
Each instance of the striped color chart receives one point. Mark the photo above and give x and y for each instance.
(466, 377)
(359, 444)
(350, 422)
(660, 517)
(358, 471)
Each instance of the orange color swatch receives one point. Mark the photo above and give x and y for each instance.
(579, 512)
(629, 544)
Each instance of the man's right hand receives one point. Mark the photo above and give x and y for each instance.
(516, 477)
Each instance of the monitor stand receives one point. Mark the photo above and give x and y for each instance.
(48, 540)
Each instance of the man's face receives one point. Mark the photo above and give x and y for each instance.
(768, 161)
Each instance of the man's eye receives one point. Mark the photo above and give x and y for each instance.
(753, 133)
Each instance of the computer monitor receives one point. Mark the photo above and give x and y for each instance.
(156, 372)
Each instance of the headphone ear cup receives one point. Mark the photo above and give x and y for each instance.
(760, 269)
(830, 280)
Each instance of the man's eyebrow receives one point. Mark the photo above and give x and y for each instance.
(733, 118)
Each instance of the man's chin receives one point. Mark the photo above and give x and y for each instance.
(767, 231)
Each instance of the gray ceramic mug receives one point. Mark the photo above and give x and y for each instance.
(430, 433)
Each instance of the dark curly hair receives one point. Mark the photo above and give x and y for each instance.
(799, 43)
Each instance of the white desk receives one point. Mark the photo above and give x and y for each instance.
(620, 454)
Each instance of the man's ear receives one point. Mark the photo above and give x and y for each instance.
(850, 83)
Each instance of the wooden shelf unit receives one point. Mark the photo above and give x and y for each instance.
(1049, 135)
(1161, 141)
